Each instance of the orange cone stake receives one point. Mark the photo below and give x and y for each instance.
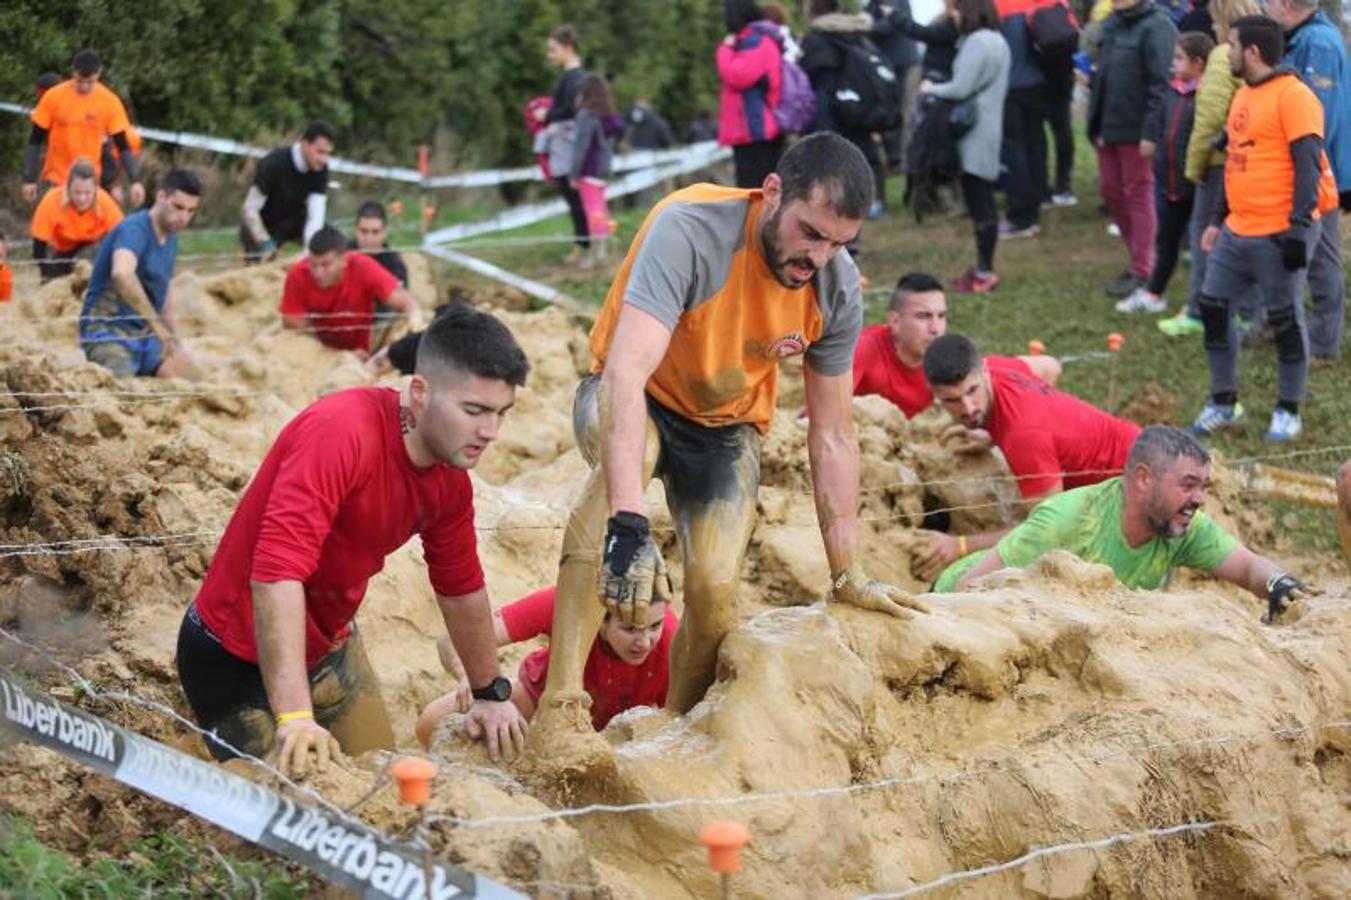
(1035, 347)
(414, 775)
(724, 840)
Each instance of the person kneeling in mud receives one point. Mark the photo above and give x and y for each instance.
(268, 654)
(628, 665)
(1142, 524)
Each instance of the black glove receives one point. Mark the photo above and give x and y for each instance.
(1282, 590)
(629, 565)
(1294, 254)
(1344, 199)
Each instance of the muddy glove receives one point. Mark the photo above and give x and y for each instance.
(852, 586)
(1282, 591)
(1294, 253)
(629, 567)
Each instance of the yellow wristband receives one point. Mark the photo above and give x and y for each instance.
(283, 718)
(961, 545)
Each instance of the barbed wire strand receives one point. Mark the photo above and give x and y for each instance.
(125, 697)
(1042, 852)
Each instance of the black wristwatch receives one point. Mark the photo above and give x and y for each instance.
(498, 690)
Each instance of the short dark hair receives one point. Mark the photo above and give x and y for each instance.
(775, 13)
(973, 15)
(372, 209)
(1262, 32)
(737, 14)
(86, 62)
(317, 129)
(1159, 446)
(950, 359)
(565, 35)
(48, 80)
(182, 180)
(827, 160)
(467, 340)
(913, 283)
(1196, 44)
(326, 240)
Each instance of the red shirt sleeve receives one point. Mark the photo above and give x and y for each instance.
(530, 616)
(1031, 455)
(451, 544)
(293, 293)
(373, 278)
(319, 466)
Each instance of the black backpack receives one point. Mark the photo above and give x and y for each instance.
(868, 95)
(1055, 36)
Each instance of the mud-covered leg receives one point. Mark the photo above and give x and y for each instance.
(359, 720)
(713, 538)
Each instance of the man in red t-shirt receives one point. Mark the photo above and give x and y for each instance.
(267, 653)
(889, 357)
(628, 666)
(337, 296)
(1050, 440)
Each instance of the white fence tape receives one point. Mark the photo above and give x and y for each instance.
(497, 273)
(625, 162)
(342, 852)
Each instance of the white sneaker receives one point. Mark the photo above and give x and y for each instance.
(1285, 425)
(1063, 200)
(1142, 301)
(1113, 230)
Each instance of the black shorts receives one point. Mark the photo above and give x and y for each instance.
(228, 697)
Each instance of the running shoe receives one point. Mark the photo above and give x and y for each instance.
(1009, 232)
(1285, 425)
(877, 210)
(1216, 417)
(972, 282)
(1142, 301)
(1123, 285)
(1065, 199)
(1180, 325)
(1113, 230)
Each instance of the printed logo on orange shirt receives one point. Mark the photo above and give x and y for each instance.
(786, 346)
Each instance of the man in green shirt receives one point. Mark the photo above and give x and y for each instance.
(1142, 524)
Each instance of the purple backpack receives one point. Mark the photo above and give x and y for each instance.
(797, 100)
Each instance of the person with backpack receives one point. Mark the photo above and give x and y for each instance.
(1055, 39)
(563, 50)
(597, 125)
(750, 67)
(902, 53)
(1024, 148)
(857, 94)
(980, 74)
(1125, 109)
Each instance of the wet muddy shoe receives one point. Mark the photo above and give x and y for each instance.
(562, 743)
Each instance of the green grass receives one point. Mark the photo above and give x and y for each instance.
(163, 865)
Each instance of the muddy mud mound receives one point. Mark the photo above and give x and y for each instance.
(1043, 707)
(1150, 405)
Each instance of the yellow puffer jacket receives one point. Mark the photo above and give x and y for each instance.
(1213, 97)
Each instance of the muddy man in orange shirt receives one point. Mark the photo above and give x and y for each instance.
(719, 286)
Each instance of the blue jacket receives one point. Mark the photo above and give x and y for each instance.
(1316, 51)
(1024, 71)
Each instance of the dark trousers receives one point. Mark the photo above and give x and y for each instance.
(1174, 215)
(754, 161)
(581, 234)
(979, 196)
(1059, 96)
(1024, 153)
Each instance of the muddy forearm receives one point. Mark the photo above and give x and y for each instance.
(835, 472)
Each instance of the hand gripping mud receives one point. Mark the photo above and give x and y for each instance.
(630, 563)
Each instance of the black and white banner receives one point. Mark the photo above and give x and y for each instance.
(342, 851)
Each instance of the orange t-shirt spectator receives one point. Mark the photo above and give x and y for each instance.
(71, 221)
(337, 295)
(71, 122)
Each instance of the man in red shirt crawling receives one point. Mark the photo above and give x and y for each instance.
(628, 666)
(267, 652)
(1050, 440)
(344, 298)
(889, 356)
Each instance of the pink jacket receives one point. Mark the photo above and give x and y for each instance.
(751, 72)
